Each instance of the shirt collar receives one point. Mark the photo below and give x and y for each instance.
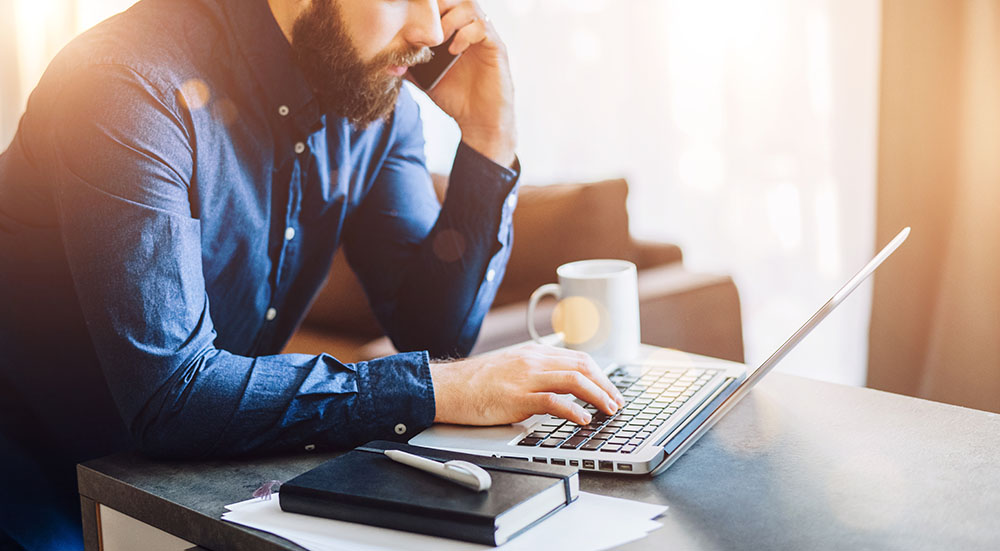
(269, 56)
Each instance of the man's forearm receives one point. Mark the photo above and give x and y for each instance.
(448, 286)
(225, 405)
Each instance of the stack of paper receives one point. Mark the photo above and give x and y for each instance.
(620, 521)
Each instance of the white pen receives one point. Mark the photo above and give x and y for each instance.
(463, 473)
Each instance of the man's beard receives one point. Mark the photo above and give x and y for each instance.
(346, 85)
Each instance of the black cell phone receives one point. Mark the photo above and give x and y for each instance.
(427, 75)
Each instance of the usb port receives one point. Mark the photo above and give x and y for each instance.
(588, 463)
(558, 461)
(607, 465)
(574, 463)
(625, 467)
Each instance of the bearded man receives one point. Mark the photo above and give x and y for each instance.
(171, 203)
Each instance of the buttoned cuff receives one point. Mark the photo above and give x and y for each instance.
(481, 194)
(469, 162)
(397, 396)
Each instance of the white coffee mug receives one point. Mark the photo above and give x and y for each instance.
(598, 309)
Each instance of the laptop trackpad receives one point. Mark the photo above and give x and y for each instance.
(465, 437)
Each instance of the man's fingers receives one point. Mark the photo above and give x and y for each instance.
(458, 17)
(553, 404)
(467, 36)
(577, 384)
(561, 358)
(468, 23)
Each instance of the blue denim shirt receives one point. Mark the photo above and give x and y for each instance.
(168, 209)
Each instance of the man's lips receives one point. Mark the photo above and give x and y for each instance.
(397, 70)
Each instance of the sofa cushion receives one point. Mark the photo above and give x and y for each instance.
(341, 304)
(561, 223)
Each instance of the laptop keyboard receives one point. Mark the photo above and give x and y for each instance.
(652, 395)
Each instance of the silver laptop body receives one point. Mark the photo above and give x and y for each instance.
(672, 397)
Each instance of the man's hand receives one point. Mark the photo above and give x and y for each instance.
(512, 385)
(478, 92)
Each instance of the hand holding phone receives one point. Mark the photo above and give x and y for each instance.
(478, 92)
(427, 75)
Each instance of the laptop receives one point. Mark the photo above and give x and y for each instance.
(672, 399)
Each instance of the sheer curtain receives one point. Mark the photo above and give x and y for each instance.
(936, 312)
(747, 131)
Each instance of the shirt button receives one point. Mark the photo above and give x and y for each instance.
(400, 428)
(289, 233)
(283, 110)
(310, 447)
(491, 275)
(512, 201)
(271, 314)
(300, 147)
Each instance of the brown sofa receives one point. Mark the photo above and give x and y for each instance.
(552, 225)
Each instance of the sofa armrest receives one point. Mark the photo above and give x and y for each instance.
(647, 254)
(690, 311)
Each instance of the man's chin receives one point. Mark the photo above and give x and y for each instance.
(362, 113)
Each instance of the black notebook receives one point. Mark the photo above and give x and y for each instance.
(365, 486)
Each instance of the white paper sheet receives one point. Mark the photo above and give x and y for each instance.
(620, 521)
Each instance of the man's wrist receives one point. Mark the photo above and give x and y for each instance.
(499, 147)
(442, 408)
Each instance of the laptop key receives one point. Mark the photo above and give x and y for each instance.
(611, 447)
(617, 423)
(538, 434)
(551, 442)
(628, 449)
(592, 445)
(529, 441)
(619, 440)
(573, 443)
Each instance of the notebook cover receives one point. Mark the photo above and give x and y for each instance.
(365, 486)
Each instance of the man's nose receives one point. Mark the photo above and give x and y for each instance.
(423, 27)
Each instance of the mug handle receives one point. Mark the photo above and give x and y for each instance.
(548, 289)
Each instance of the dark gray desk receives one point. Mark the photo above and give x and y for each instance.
(799, 464)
